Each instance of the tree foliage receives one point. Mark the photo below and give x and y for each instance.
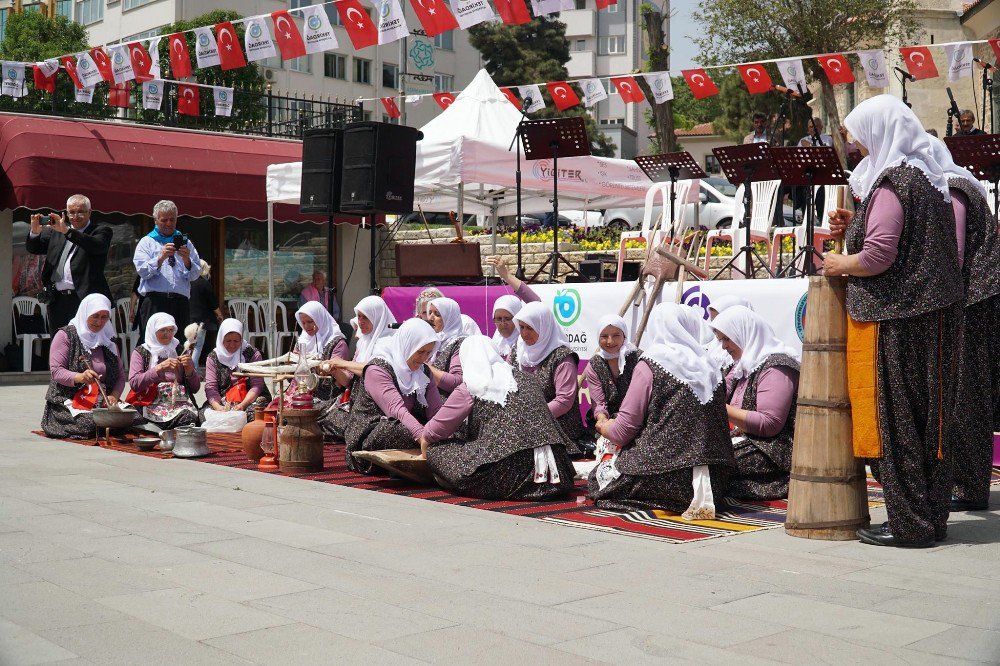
(535, 51)
(657, 59)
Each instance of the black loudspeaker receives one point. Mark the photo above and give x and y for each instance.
(379, 166)
(630, 271)
(321, 169)
(592, 269)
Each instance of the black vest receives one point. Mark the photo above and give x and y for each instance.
(58, 393)
(615, 388)
(982, 245)
(365, 412)
(570, 422)
(779, 447)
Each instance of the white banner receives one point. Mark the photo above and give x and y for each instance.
(13, 79)
(152, 95)
(257, 40)
(85, 95)
(593, 91)
(223, 100)
(391, 22)
(318, 34)
(121, 63)
(959, 60)
(792, 74)
(87, 72)
(414, 100)
(48, 67)
(660, 84)
(154, 53)
(543, 7)
(471, 12)
(873, 62)
(531, 98)
(206, 50)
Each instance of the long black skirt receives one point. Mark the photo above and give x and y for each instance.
(58, 422)
(511, 478)
(670, 491)
(382, 435)
(757, 477)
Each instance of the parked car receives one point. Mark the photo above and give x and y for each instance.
(434, 218)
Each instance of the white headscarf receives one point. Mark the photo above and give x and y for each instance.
(718, 356)
(513, 305)
(451, 316)
(550, 336)
(753, 336)
(225, 328)
(424, 299)
(469, 326)
(627, 346)
(91, 305)
(951, 170)
(484, 372)
(155, 323)
(411, 336)
(722, 303)
(893, 135)
(677, 350)
(327, 330)
(377, 312)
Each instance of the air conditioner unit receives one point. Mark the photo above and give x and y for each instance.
(269, 74)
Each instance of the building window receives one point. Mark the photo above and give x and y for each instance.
(65, 8)
(145, 34)
(299, 249)
(366, 115)
(3, 22)
(444, 83)
(581, 45)
(301, 64)
(712, 164)
(335, 66)
(390, 76)
(391, 121)
(581, 4)
(445, 40)
(613, 45)
(362, 70)
(333, 14)
(298, 4)
(613, 121)
(613, 9)
(89, 11)
(132, 4)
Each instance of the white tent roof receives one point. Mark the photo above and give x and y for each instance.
(465, 153)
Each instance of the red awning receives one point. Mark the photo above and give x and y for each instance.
(127, 168)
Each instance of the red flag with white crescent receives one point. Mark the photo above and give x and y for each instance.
(756, 78)
(509, 94)
(562, 95)
(287, 34)
(444, 99)
(188, 100)
(628, 89)
(513, 12)
(700, 83)
(86, 398)
(837, 69)
(434, 16)
(70, 64)
(103, 63)
(995, 45)
(391, 109)
(360, 27)
(919, 62)
(180, 58)
(230, 53)
(42, 82)
(142, 63)
(119, 94)
(604, 4)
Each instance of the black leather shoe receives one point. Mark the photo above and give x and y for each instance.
(966, 505)
(883, 536)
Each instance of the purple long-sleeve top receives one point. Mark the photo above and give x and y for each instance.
(960, 206)
(451, 415)
(775, 393)
(564, 379)
(212, 393)
(597, 399)
(632, 415)
(453, 378)
(526, 293)
(59, 363)
(141, 378)
(395, 405)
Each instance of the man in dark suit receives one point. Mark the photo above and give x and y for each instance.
(75, 255)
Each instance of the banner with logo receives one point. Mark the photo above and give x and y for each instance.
(152, 95)
(13, 79)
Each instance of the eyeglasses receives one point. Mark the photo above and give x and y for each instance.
(502, 320)
(76, 213)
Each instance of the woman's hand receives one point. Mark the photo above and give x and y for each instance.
(187, 364)
(835, 264)
(500, 264)
(167, 365)
(86, 377)
(839, 219)
(219, 407)
(604, 427)
(113, 400)
(423, 447)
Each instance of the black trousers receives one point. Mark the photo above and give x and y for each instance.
(62, 308)
(173, 304)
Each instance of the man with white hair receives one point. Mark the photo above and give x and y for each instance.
(167, 263)
(75, 253)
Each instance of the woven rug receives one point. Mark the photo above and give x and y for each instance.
(217, 443)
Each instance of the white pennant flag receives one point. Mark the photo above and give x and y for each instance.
(257, 40)
(531, 98)
(873, 62)
(318, 34)
(154, 53)
(661, 85)
(85, 95)
(391, 22)
(206, 50)
(593, 91)
(13, 79)
(223, 101)
(48, 67)
(414, 100)
(471, 12)
(959, 60)
(792, 74)
(152, 95)
(543, 7)
(121, 63)
(86, 71)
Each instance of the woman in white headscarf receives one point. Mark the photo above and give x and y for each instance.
(724, 302)
(494, 437)
(163, 383)
(507, 306)
(905, 295)
(542, 351)
(674, 449)
(761, 409)
(394, 396)
(73, 390)
(718, 356)
(469, 326)
(610, 370)
(445, 317)
(223, 392)
(320, 339)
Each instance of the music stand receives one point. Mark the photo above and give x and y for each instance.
(672, 166)
(552, 138)
(980, 154)
(744, 165)
(808, 166)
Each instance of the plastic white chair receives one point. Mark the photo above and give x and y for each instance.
(281, 326)
(653, 239)
(765, 197)
(821, 231)
(127, 338)
(28, 306)
(248, 312)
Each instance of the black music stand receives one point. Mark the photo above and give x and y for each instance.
(808, 166)
(980, 154)
(744, 165)
(552, 138)
(672, 166)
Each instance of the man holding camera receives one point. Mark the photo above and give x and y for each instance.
(167, 263)
(75, 254)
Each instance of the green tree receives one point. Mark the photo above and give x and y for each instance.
(689, 111)
(535, 51)
(660, 117)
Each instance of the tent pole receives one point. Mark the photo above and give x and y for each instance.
(330, 290)
(373, 267)
(273, 337)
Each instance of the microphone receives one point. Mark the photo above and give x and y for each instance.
(982, 63)
(905, 74)
(954, 107)
(787, 91)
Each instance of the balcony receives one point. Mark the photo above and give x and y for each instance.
(579, 22)
(581, 64)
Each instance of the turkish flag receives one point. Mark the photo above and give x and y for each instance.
(103, 63)
(919, 62)
(604, 4)
(513, 12)
(119, 94)
(434, 16)
(360, 27)
(142, 63)
(42, 82)
(287, 34)
(509, 94)
(180, 59)
(444, 99)
(837, 69)
(188, 103)
(756, 78)
(628, 89)
(230, 53)
(390, 107)
(562, 95)
(995, 45)
(700, 83)
(70, 64)
(86, 398)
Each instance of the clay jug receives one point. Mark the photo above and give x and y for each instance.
(251, 434)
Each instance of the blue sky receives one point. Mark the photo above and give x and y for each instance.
(683, 51)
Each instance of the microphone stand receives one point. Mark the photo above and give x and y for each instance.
(987, 90)
(526, 102)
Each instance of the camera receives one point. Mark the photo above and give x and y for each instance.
(180, 239)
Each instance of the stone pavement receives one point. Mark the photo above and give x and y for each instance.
(108, 557)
